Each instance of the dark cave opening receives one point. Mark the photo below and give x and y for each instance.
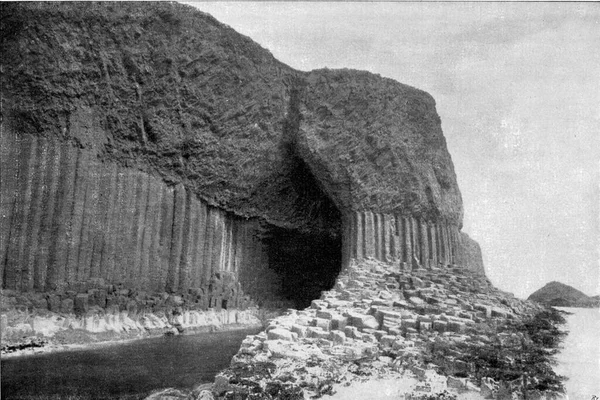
(306, 263)
(308, 257)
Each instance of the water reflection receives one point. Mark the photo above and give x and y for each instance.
(129, 370)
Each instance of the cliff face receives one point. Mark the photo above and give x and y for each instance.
(378, 145)
(154, 147)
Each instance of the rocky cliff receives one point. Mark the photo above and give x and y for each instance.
(153, 149)
(560, 295)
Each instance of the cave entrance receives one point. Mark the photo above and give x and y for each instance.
(308, 258)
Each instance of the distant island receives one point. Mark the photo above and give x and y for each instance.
(561, 295)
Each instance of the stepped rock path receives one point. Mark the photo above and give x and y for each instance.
(376, 325)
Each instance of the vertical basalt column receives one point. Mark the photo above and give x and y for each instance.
(143, 231)
(397, 238)
(251, 268)
(138, 228)
(89, 224)
(415, 242)
(438, 238)
(432, 245)
(444, 244)
(154, 261)
(18, 256)
(9, 173)
(239, 246)
(377, 233)
(201, 239)
(380, 237)
(369, 235)
(447, 244)
(193, 249)
(108, 209)
(455, 244)
(31, 240)
(127, 243)
(179, 206)
(124, 217)
(388, 233)
(226, 246)
(58, 257)
(245, 267)
(219, 241)
(359, 220)
(232, 243)
(233, 247)
(347, 240)
(407, 241)
(452, 229)
(50, 207)
(424, 244)
(166, 234)
(186, 246)
(209, 244)
(77, 218)
(152, 214)
(98, 233)
(225, 249)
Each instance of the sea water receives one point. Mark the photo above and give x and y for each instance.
(122, 370)
(579, 360)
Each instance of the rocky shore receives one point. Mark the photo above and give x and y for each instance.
(39, 322)
(383, 328)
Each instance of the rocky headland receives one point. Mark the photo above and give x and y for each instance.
(560, 295)
(162, 173)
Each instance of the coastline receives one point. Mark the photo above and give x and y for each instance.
(58, 333)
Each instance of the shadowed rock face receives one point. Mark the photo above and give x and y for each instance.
(153, 141)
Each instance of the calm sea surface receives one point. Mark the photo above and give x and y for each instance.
(127, 370)
(580, 358)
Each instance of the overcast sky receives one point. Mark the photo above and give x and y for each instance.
(517, 87)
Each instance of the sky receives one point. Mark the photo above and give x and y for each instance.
(517, 87)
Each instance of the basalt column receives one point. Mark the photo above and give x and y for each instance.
(70, 219)
(408, 242)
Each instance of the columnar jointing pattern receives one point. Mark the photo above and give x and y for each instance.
(67, 218)
(411, 242)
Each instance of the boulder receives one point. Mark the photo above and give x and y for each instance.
(339, 322)
(338, 337)
(54, 302)
(322, 323)
(318, 333)
(66, 306)
(417, 301)
(326, 314)
(280, 334)
(362, 321)
(456, 326)
(300, 330)
(440, 326)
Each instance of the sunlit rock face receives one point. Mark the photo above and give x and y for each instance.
(151, 147)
